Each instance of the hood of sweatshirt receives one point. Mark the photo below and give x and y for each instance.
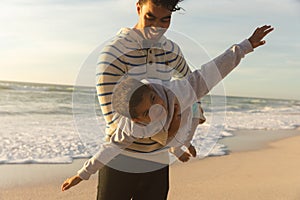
(143, 38)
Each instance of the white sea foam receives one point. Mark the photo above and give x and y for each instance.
(37, 124)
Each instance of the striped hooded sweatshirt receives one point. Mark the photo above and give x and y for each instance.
(130, 55)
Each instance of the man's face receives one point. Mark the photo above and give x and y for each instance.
(151, 15)
(152, 108)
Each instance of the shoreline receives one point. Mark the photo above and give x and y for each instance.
(32, 181)
(252, 140)
(269, 173)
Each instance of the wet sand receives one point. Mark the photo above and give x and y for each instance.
(261, 165)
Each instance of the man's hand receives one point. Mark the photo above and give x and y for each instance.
(184, 157)
(259, 34)
(70, 182)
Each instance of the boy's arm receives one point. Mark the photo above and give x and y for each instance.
(213, 72)
(123, 137)
(200, 82)
(203, 80)
(259, 34)
(119, 141)
(70, 182)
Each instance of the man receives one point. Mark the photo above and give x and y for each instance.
(143, 52)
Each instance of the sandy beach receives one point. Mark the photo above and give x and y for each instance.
(262, 165)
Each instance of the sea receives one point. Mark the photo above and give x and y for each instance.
(46, 123)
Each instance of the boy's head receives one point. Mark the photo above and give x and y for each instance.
(137, 101)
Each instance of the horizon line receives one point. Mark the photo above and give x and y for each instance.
(72, 85)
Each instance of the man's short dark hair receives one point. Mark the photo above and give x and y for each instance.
(172, 5)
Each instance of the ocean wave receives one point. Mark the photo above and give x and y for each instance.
(38, 125)
(17, 86)
(5, 87)
(65, 111)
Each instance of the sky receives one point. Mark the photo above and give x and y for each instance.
(47, 41)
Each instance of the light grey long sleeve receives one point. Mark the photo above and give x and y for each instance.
(119, 141)
(200, 83)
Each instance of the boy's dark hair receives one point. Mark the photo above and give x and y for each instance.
(172, 5)
(127, 95)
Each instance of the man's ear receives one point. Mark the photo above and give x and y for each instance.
(138, 8)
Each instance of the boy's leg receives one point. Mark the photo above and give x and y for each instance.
(180, 154)
(194, 124)
(198, 112)
(192, 150)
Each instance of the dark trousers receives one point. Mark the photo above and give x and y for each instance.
(116, 184)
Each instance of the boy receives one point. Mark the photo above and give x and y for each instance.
(206, 78)
(150, 102)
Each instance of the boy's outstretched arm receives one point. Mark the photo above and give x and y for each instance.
(259, 34)
(70, 182)
(211, 73)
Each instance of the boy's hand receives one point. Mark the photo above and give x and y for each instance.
(259, 34)
(70, 182)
